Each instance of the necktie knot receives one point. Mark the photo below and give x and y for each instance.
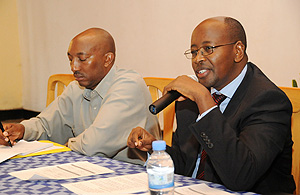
(218, 98)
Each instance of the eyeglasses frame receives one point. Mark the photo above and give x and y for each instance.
(189, 51)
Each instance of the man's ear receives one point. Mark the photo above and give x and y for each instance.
(239, 50)
(109, 59)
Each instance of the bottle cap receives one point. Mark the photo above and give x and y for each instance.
(159, 145)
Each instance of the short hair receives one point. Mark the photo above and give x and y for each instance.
(235, 30)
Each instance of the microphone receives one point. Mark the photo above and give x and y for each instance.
(164, 101)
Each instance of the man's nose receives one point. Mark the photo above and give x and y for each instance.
(199, 57)
(75, 65)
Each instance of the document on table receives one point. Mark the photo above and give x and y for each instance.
(23, 148)
(62, 171)
(125, 184)
(201, 189)
(53, 149)
(116, 185)
(50, 148)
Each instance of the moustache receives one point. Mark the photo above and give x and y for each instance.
(77, 74)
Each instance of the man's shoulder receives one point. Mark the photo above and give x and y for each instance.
(258, 85)
(259, 81)
(127, 76)
(127, 73)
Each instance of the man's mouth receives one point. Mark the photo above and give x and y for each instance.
(202, 73)
(78, 77)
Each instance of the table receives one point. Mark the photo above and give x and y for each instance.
(13, 185)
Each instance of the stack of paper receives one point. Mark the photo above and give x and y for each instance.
(131, 184)
(62, 171)
(22, 148)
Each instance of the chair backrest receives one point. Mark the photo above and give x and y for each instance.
(155, 85)
(57, 83)
(294, 96)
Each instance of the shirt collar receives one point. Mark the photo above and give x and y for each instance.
(102, 87)
(230, 89)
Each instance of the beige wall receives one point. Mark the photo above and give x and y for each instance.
(151, 37)
(10, 63)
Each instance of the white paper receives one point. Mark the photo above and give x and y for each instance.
(6, 155)
(23, 148)
(114, 185)
(199, 189)
(26, 147)
(50, 148)
(125, 184)
(61, 171)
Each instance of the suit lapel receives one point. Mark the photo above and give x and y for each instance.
(239, 93)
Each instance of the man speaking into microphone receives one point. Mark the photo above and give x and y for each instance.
(234, 124)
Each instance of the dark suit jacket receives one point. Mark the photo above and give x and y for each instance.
(249, 146)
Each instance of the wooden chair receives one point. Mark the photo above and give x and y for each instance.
(294, 96)
(155, 85)
(57, 83)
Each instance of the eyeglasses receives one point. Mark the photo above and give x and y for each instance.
(205, 51)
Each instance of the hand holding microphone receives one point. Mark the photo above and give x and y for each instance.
(187, 85)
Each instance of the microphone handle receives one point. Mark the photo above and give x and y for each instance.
(164, 101)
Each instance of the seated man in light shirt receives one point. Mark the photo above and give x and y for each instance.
(95, 114)
(243, 142)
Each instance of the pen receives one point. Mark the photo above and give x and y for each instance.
(1, 126)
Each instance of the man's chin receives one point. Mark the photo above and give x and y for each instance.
(87, 86)
(206, 83)
(82, 84)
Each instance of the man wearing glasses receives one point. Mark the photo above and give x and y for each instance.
(233, 123)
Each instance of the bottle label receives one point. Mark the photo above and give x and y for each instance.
(159, 180)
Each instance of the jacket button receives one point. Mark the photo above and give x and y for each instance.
(208, 141)
(202, 134)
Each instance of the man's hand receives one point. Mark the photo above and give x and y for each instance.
(141, 139)
(192, 90)
(13, 132)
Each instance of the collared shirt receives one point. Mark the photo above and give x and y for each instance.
(229, 91)
(99, 121)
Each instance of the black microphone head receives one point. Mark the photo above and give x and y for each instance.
(164, 101)
(152, 109)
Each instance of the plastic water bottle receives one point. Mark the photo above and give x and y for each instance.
(160, 169)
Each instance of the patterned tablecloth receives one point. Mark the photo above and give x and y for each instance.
(13, 185)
